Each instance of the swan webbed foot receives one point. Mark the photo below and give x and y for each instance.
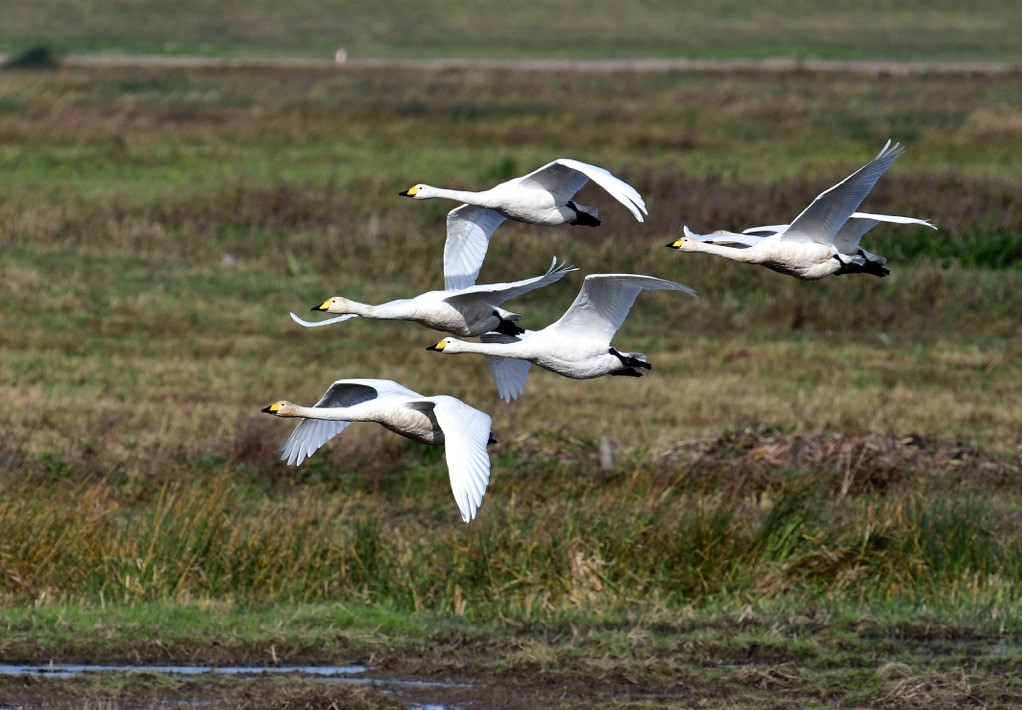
(582, 219)
(630, 360)
(507, 327)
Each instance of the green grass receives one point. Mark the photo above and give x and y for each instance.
(813, 477)
(709, 28)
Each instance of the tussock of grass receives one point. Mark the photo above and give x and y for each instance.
(874, 519)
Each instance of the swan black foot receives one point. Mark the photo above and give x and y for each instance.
(873, 268)
(629, 361)
(507, 327)
(626, 372)
(582, 219)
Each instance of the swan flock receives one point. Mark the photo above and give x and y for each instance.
(823, 240)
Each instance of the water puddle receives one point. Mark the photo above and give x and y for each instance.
(343, 674)
(72, 670)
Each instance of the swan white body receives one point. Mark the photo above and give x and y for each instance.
(464, 430)
(821, 241)
(544, 197)
(467, 312)
(575, 346)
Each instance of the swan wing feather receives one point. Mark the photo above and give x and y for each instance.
(469, 229)
(466, 433)
(820, 221)
(604, 301)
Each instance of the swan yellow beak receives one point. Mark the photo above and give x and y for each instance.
(410, 192)
(271, 409)
(324, 306)
(676, 244)
(438, 347)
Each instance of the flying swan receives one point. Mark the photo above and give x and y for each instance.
(544, 196)
(467, 312)
(576, 346)
(822, 240)
(430, 420)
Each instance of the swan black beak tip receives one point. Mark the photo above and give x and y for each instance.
(403, 193)
(266, 409)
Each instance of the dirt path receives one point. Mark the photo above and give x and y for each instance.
(780, 65)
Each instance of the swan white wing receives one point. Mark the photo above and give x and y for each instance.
(308, 437)
(349, 392)
(846, 241)
(894, 219)
(766, 230)
(727, 239)
(820, 221)
(495, 294)
(466, 433)
(508, 373)
(604, 301)
(565, 177)
(311, 434)
(318, 323)
(468, 235)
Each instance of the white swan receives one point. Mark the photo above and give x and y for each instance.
(577, 345)
(430, 420)
(541, 197)
(846, 241)
(822, 240)
(467, 312)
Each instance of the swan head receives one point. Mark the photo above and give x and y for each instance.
(280, 408)
(687, 242)
(683, 244)
(418, 192)
(447, 345)
(336, 304)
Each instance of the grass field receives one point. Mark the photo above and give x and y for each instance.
(913, 29)
(815, 491)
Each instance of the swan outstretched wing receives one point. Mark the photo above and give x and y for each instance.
(768, 229)
(468, 235)
(765, 230)
(318, 323)
(311, 434)
(495, 294)
(466, 433)
(604, 301)
(894, 219)
(565, 177)
(846, 241)
(819, 222)
(508, 373)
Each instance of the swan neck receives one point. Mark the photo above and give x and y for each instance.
(466, 196)
(732, 253)
(501, 349)
(337, 414)
(366, 310)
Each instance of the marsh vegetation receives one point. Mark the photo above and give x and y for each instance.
(829, 471)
